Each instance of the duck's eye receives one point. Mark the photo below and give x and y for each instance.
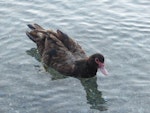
(96, 60)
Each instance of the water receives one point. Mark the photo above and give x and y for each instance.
(120, 29)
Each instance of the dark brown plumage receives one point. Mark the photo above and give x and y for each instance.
(62, 53)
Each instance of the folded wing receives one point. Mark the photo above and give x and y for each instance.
(53, 52)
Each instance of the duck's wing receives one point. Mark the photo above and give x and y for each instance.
(72, 45)
(53, 51)
(57, 56)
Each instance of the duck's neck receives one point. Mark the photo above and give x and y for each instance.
(84, 69)
(92, 68)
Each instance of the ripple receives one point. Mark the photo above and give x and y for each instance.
(118, 29)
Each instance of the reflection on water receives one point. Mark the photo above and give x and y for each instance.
(34, 53)
(93, 95)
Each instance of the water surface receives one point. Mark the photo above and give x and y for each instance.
(119, 29)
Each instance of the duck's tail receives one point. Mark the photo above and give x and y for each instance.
(37, 35)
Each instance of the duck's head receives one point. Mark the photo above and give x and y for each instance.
(97, 60)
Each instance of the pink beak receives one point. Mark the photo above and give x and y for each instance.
(102, 68)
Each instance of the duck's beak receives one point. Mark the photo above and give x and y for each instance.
(103, 69)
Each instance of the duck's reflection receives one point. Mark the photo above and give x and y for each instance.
(93, 95)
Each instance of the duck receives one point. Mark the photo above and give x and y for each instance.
(64, 54)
